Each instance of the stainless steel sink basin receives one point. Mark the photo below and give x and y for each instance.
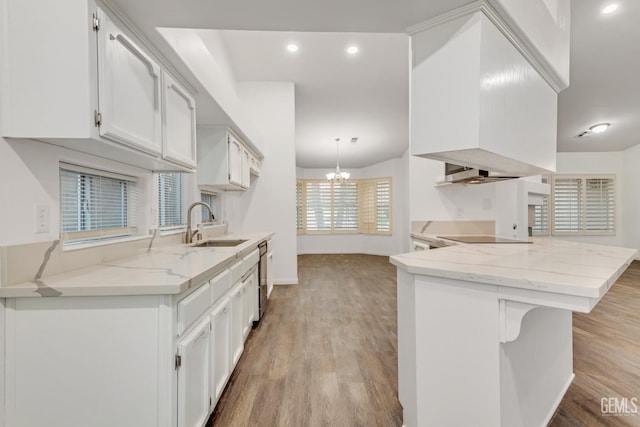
(219, 243)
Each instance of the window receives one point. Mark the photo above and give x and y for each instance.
(211, 200)
(96, 204)
(356, 206)
(579, 205)
(541, 214)
(299, 206)
(171, 210)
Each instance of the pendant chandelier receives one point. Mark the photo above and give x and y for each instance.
(337, 176)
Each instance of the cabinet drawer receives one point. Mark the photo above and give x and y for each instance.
(220, 284)
(236, 272)
(250, 260)
(192, 307)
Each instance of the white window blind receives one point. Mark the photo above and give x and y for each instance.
(357, 206)
(541, 215)
(94, 205)
(600, 203)
(299, 206)
(345, 206)
(171, 210)
(318, 206)
(211, 200)
(583, 205)
(567, 202)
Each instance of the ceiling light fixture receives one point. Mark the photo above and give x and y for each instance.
(610, 8)
(291, 47)
(352, 50)
(593, 130)
(338, 177)
(599, 128)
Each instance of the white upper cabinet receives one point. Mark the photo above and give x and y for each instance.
(179, 137)
(224, 160)
(235, 161)
(128, 90)
(476, 101)
(74, 75)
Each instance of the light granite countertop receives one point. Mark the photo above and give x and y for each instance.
(557, 266)
(163, 270)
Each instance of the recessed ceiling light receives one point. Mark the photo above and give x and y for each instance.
(599, 128)
(352, 50)
(610, 8)
(292, 47)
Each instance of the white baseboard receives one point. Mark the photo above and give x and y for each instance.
(339, 252)
(285, 281)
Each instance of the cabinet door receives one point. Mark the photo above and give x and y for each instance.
(235, 161)
(194, 398)
(249, 295)
(128, 90)
(237, 323)
(269, 273)
(179, 118)
(246, 165)
(220, 348)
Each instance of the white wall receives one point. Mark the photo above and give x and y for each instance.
(631, 198)
(270, 203)
(364, 243)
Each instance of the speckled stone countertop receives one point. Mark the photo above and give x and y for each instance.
(557, 266)
(164, 270)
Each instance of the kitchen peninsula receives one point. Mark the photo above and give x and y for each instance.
(484, 331)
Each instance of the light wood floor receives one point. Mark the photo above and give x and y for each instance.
(326, 352)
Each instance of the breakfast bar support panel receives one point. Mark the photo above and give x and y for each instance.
(453, 369)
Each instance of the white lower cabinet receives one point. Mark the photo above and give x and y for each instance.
(220, 347)
(194, 399)
(150, 360)
(237, 316)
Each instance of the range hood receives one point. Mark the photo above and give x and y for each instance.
(478, 102)
(468, 175)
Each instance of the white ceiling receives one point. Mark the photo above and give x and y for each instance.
(366, 96)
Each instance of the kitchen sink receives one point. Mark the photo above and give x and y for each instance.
(219, 243)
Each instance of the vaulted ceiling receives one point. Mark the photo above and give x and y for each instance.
(366, 95)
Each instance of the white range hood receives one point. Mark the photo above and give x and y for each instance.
(476, 100)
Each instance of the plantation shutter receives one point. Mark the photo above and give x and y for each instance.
(367, 207)
(318, 206)
(383, 206)
(600, 205)
(170, 199)
(209, 199)
(567, 202)
(541, 215)
(299, 210)
(345, 206)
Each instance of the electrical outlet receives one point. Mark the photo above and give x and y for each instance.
(42, 218)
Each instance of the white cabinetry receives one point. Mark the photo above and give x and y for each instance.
(269, 267)
(179, 136)
(220, 347)
(193, 376)
(128, 90)
(152, 360)
(237, 319)
(250, 301)
(224, 160)
(86, 84)
(473, 99)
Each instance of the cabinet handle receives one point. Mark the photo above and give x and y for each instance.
(203, 334)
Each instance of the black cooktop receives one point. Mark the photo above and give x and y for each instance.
(482, 239)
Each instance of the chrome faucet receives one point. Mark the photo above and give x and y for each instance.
(189, 236)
